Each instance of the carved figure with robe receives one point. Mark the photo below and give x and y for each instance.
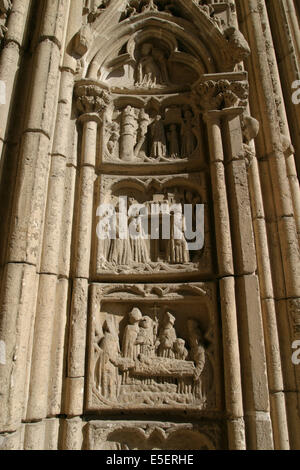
(187, 135)
(107, 372)
(198, 355)
(158, 138)
(120, 249)
(138, 242)
(148, 71)
(145, 338)
(167, 337)
(173, 141)
(130, 348)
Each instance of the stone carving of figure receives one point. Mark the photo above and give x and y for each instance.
(113, 143)
(159, 144)
(144, 121)
(145, 338)
(148, 72)
(152, 68)
(138, 244)
(187, 134)
(177, 248)
(130, 348)
(105, 241)
(128, 134)
(196, 341)
(173, 141)
(181, 353)
(107, 375)
(119, 252)
(167, 337)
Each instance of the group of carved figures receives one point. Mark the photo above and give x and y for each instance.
(150, 353)
(140, 137)
(136, 247)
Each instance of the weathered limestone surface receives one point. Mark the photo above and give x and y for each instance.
(164, 104)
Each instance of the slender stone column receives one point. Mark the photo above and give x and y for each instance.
(10, 59)
(233, 386)
(92, 102)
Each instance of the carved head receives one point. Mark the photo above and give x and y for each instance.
(135, 316)
(179, 345)
(146, 323)
(169, 318)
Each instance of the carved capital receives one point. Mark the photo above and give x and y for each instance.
(222, 94)
(91, 99)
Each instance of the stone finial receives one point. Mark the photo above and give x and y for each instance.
(91, 99)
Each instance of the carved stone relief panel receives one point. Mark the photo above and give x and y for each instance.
(153, 130)
(153, 347)
(120, 435)
(152, 247)
(146, 64)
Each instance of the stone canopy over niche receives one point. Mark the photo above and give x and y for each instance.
(153, 348)
(147, 257)
(152, 436)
